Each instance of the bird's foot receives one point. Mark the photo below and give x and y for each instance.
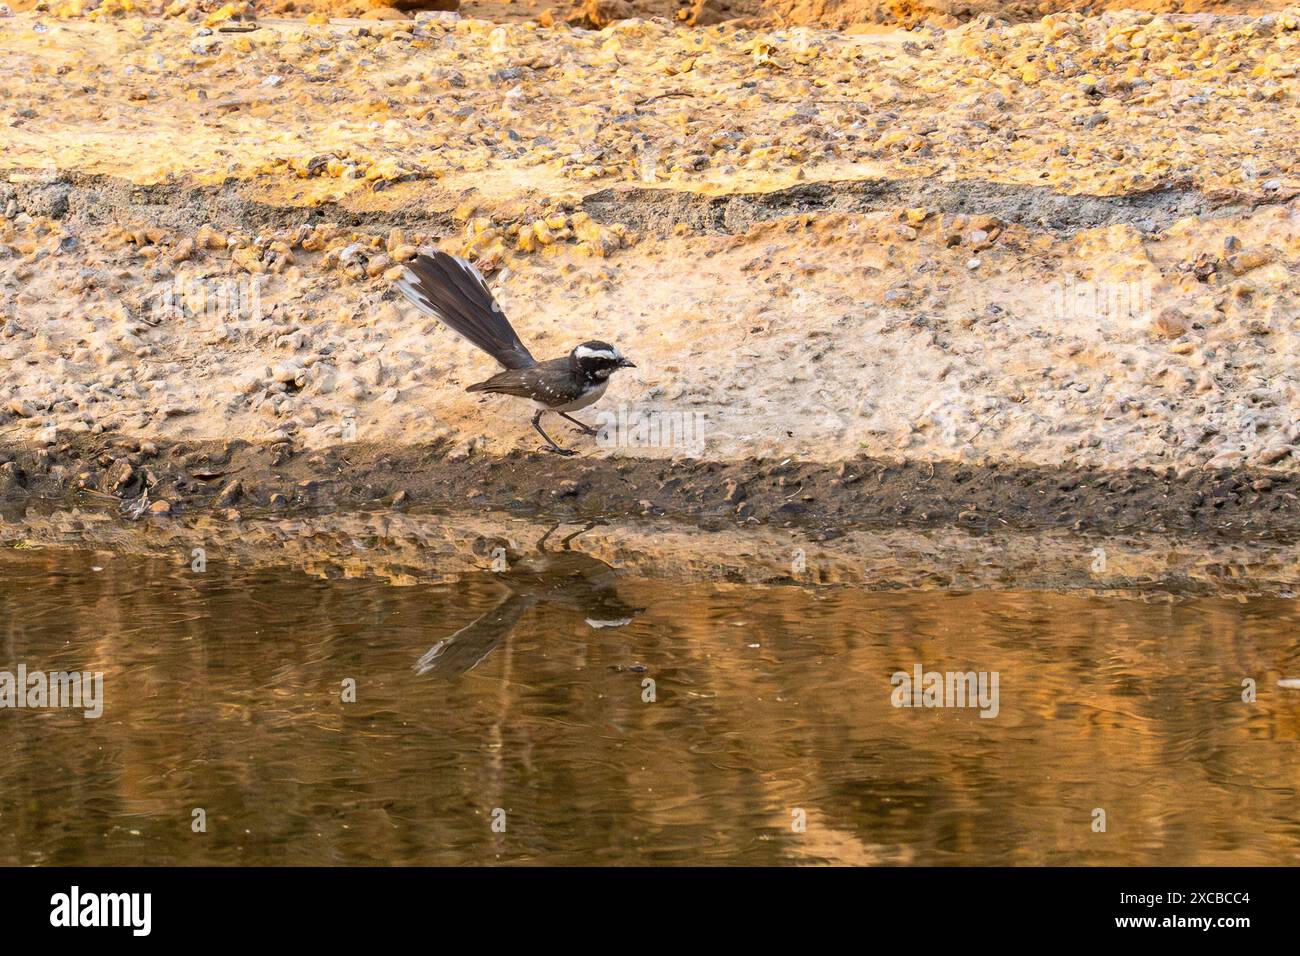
(585, 430)
(566, 452)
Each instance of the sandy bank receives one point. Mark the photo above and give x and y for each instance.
(1039, 250)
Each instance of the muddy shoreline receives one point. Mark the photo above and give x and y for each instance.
(151, 480)
(419, 547)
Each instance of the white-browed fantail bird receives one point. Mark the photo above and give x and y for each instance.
(454, 292)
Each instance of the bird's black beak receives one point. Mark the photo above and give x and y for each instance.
(624, 363)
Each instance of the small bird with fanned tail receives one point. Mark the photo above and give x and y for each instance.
(454, 292)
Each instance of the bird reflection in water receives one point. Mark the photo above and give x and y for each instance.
(564, 577)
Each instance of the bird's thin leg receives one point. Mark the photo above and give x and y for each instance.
(583, 428)
(566, 541)
(550, 442)
(541, 544)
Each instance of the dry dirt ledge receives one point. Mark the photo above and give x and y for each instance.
(1037, 275)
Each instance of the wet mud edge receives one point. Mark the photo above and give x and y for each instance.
(151, 481)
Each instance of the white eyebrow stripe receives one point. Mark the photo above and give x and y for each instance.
(583, 352)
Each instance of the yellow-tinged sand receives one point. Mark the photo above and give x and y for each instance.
(1136, 101)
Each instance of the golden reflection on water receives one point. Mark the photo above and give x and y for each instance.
(223, 693)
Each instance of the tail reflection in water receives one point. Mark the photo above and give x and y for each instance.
(565, 577)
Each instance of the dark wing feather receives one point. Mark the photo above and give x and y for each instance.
(551, 382)
(452, 291)
(513, 381)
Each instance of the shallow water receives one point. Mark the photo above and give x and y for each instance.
(771, 705)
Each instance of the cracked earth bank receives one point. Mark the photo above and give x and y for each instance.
(1033, 274)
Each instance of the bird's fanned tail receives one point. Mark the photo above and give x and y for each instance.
(466, 649)
(452, 291)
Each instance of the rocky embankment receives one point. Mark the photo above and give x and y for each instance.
(1034, 274)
